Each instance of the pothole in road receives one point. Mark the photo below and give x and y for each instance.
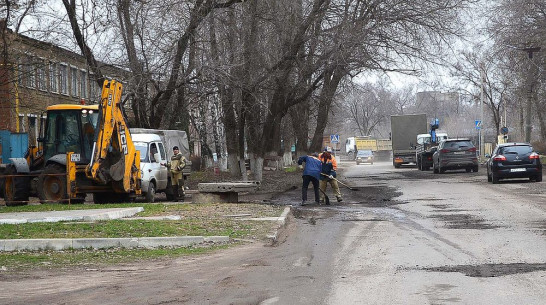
(490, 270)
(312, 215)
(541, 226)
(373, 196)
(445, 208)
(464, 221)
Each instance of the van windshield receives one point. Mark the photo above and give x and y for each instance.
(143, 148)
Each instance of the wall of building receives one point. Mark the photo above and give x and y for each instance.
(36, 74)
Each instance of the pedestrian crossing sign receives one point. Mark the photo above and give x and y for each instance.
(334, 138)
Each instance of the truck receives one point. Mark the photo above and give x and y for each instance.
(404, 131)
(155, 146)
(83, 149)
(354, 144)
(426, 146)
(380, 147)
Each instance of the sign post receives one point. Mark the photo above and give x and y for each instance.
(478, 125)
(334, 139)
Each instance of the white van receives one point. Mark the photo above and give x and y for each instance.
(155, 148)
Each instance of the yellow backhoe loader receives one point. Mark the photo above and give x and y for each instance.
(84, 149)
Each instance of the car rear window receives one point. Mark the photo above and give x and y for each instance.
(458, 144)
(519, 149)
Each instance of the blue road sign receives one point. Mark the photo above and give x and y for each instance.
(334, 138)
(478, 124)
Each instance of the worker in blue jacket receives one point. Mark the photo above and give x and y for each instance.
(311, 173)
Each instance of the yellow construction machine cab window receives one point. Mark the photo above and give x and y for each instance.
(70, 128)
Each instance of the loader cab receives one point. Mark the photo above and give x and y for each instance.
(70, 128)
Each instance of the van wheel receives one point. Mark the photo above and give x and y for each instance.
(150, 195)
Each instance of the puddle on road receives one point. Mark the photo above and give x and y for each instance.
(490, 270)
(464, 221)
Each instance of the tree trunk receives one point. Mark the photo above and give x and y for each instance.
(331, 82)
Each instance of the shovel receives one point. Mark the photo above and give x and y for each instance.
(351, 188)
(326, 199)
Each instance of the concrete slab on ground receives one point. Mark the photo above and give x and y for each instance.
(68, 215)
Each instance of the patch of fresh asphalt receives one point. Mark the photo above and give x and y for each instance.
(91, 215)
(490, 270)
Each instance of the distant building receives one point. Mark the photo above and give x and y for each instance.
(437, 104)
(35, 74)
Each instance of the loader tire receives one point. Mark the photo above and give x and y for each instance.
(52, 184)
(16, 189)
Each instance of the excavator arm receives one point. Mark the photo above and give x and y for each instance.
(114, 160)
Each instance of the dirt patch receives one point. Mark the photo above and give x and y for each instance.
(464, 221)
(490, 270)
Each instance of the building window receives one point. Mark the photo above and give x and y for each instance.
(53, 78)
(74, 83)
(95, 89)
(41, 78)
(63, 78)
(83, 84)
(29, 71)
(20, 71)
(22, 127)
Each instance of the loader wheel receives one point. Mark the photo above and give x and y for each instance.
(52, 184)
(101, 198)
(16, 189)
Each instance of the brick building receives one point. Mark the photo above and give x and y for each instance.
(36, 74)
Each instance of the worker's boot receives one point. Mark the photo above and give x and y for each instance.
(175, 192)
(181, 192)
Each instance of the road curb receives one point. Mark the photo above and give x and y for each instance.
(281, 223)
(58, 244)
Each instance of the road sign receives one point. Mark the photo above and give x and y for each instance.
(478, 124)
(504, 130)
(334, 138)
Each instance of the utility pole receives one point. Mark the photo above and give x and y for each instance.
(480, 131)
(531, 73)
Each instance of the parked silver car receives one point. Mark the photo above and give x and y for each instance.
(364, 156)
(453, 154)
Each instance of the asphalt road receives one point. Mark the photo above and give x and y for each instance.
(402, 237)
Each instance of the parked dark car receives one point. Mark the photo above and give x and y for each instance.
(453, 154)
(514, 160)
(364, 156)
